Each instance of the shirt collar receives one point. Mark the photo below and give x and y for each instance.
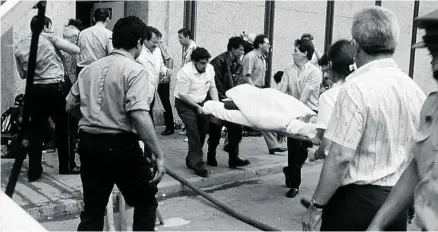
(123, 53)
(375, 64)
(195, 71)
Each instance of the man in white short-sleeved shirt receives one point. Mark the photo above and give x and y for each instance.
(195, 81)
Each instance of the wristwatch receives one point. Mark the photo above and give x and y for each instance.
(316, 205)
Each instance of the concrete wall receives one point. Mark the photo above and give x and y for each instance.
(12, 84)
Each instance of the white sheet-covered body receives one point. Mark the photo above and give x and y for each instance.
(264, 109)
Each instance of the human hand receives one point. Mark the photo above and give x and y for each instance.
(199, 110)
(165, 80)
(159, 170)
(311, 219)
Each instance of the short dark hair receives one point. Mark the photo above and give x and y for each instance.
(185, 32)
(277, 76)
(76, 23)
(431, 39)
(305, 45)
(34, 25)
(235, 42)
(260, 39)
(199, 54)
(323, 61)
(127, 31)
(153, 30)
(341, 55)
(307, 36)
(101, 14)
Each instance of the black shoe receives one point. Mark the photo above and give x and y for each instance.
(211, 159)
(305, 203)
(167, 132)
(199, 170)
(238, 162)
(33, 178)
(292, 193)
(287, 180)
(278, 149)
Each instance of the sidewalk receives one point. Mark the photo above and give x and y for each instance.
(55, 195)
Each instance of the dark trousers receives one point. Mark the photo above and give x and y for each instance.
(196, 127)
(164, 93)
(296, 156)
(353, 207)
(73, 124)
(234, 132)
(47, 101)
(108, 159)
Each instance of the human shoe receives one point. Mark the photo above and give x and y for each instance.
(293, 192)
(237, 162)
(278, 149)
(167, 132)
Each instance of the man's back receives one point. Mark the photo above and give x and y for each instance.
(49, 67)
(95, 42)
(109, 88)
(379, 116)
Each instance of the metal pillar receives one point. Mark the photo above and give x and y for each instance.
(329, 24)
(413, 39)
(269, 31)
(190, 16)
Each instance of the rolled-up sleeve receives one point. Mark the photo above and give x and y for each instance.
(346, 125)
(183, 82)
(137, 92)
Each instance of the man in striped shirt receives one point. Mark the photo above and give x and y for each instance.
(374, 118)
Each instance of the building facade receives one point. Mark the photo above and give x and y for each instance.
(215, 21)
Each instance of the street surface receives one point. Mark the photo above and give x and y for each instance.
(261, 199)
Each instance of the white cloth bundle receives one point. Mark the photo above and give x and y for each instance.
(264, 109)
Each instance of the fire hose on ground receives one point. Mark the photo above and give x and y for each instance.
(227, 209)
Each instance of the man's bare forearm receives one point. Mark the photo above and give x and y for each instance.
(332, 175)
(213, 94)
(399, 200)
(188, 100)
(145, 128)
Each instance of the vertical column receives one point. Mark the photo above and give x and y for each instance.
(413, 39)
(329, 24)
(190, 16)
(269, 31)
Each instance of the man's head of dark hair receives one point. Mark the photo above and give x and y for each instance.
(341, 55)
(185, 32)
(101, 14)
(260, 39)
(152, 30)
(128, 31)
(305, 45)
(235, 42)
(76, 23)
(34, 24)
(199, 54)
(277, 76)
(323, 61)
(307, 36)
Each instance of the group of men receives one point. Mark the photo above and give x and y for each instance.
(374, 121)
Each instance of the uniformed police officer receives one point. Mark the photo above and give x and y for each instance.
(419, 182)
(111, 96)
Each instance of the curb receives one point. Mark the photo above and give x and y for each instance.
(169, 188)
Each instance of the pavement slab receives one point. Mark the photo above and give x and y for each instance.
(57, 195)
